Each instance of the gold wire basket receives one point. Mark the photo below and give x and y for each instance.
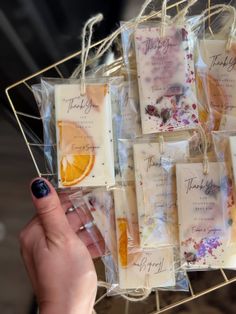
(162, 301)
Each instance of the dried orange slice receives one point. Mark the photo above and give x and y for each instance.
(123, 241)
(128, 252)
(77, 156)
(208, 85)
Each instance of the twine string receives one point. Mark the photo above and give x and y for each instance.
(217, 9)
(132, 297)
(163, 17)
(85, 49)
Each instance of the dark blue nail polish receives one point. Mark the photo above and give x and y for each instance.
(40, 188)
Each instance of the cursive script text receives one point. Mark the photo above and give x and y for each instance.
(151, 162)
(207, 186)
(147, 266)
(83, 104)
(223, 61)
(157, 44)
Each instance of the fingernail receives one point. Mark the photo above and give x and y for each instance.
(40, 188)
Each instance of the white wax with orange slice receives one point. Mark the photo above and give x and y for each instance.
(137, 267)
(84, 136)
(218, 76)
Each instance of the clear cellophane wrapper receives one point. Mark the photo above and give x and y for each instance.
(215, 71)
(75, 152)
(146, 211)
(206, 206)
(224, 146)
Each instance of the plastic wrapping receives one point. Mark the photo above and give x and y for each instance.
(206, 209)
(146, 217)
(97, 204)
(125, 115)
(84, 152)
(155, 186)
(139, 267)
(82, 222)
(166, 77)
(224, 144)
(43, 94)
(202, 206)
(215, 71)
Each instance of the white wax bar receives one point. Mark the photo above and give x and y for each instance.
(84, 136)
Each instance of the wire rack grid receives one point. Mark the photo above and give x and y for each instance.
(160, 306)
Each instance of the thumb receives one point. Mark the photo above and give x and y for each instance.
(49, 209)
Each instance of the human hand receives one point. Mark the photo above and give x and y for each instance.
(58, 263)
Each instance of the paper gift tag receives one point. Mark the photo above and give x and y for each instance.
(219, 67)
(138, 268)
(202, 207)
(156, 191)
(166, 79)
(149, 269)
(84, 136)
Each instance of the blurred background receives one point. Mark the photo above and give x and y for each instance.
(34, 34)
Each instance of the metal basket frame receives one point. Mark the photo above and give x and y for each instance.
(25, 82)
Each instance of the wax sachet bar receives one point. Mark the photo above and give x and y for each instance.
(166, 78)
(138, 268)
(84, 135)
(216, 70)
(156, 190)
(203, 209)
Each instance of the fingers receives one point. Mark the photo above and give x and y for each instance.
(49, 210)
(56, 224)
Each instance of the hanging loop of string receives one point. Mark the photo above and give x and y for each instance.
(143, 9)
(163, 17)
(108, 41)
(85, 49)
(209, 18)
(129, 297)
(217, 9)
(179, 18)
(204, 149)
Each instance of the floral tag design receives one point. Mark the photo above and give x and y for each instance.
(156, 191)
(166, 79)
(202, 209)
